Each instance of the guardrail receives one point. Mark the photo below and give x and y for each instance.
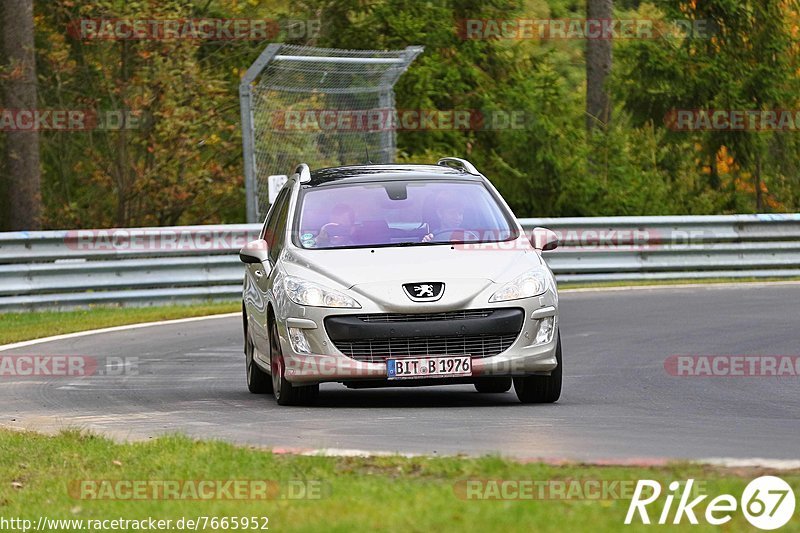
(146, 266)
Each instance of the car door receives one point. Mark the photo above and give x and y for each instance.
(258, 276)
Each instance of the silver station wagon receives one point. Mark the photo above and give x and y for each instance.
(398, 275)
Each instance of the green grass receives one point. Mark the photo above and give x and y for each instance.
(15, 327)
(355, 494)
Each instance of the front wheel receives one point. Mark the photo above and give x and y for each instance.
(258, 381)
(541, 389)
(284, 392)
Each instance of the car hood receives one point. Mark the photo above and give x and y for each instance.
(357, 266)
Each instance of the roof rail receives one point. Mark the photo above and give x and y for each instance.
(304, 172)
(463, 164)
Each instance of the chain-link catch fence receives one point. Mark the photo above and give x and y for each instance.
(308, 105)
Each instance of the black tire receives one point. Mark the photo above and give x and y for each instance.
(541, 389)
(493, 385)
(258, 381)
(285, 393)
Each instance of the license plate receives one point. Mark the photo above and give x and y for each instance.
(428, 367)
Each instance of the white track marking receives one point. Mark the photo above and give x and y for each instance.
(656, 286)
(66, 336)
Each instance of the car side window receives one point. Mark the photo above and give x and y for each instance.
(268, 232)
(278, 230)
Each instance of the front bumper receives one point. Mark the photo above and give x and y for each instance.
(326, 363)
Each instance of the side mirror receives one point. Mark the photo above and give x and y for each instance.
(544, 239)
(255, 252)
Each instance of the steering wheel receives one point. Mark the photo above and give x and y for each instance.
(332, 227)
(453, 230)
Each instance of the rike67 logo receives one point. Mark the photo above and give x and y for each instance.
(767, 502)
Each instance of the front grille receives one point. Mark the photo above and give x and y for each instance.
(374, 338)
(379, 350)
(417, 317)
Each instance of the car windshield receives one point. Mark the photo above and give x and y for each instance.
(400, 213)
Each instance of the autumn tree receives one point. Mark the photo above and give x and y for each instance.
(744, 56)
(21, 172)
(176, 156)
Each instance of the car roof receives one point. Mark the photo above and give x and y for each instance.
(367, 173)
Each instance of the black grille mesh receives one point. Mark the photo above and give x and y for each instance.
(378, 350)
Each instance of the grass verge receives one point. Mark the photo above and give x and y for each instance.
(16, 327)
(41, 476)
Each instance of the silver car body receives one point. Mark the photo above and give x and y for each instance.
(374, 277)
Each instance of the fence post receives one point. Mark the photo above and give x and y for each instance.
(248, 138)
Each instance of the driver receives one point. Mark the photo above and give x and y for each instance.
(450, 213)
(339, 231)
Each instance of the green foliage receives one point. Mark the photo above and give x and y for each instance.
(184, 164)
(179, 163)
(749, 62)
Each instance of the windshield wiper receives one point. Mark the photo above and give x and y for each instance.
(409, 243)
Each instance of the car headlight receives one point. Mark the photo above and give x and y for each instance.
(304, 292)
(526, 285)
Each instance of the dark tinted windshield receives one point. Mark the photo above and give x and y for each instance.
(400, 212)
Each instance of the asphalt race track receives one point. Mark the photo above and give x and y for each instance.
(618, 402)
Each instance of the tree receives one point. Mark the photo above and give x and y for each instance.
(176, 159)
(598, 67)
(745, 59)
(21, 150)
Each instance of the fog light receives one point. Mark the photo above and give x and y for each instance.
(299, 341)
(545, 332)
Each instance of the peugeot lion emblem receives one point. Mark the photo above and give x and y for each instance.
(428, 291)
